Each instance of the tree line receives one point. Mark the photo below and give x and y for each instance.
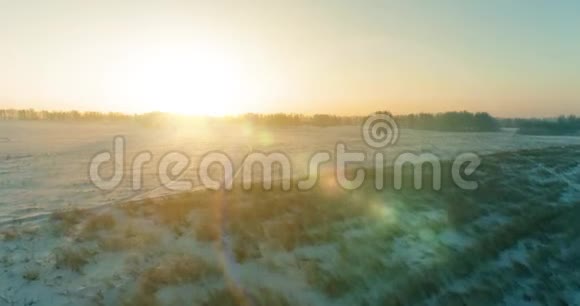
(563, 125)
(32, 114)
(449, 121)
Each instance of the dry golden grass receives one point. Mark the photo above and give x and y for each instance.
(67, 219)
(174, 210)
(115, 242)
(206, 230)
(246, 248)
(9, 234)
(71, 216)
(224, 297)
(176, 269)
(259, 297)
(31, 274)
(140, 298)
(171, 270)
(96, 224)
(104, 221)
(72, 258)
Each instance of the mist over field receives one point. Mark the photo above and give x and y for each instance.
(64, 241)
(289, 153)
(50, 159)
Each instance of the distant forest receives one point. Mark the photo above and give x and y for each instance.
(563, 125)
(32, 114)
(449, 121)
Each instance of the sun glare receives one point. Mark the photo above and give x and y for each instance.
(199, 79)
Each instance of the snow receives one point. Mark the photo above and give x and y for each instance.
(44, 166)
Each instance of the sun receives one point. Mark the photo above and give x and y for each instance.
(196, 79)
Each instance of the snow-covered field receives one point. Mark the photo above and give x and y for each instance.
(514, 241)
(44, 165)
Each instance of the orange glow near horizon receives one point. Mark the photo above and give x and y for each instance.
(343, 58)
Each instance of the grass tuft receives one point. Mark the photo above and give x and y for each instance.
(67, 219)
(31, 274)
(175, 270)
(9, 235)
(96, 224)
(100, 222)
(73, 259)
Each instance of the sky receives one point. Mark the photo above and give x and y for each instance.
(509, 58)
